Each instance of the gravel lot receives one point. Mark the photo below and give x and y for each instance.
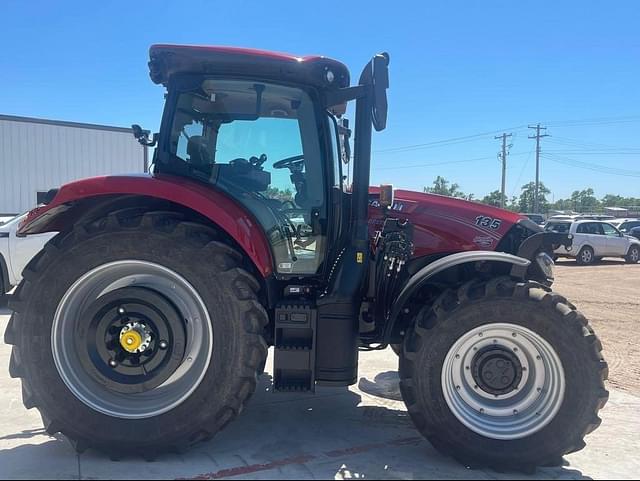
(608, 294)
(361, 432)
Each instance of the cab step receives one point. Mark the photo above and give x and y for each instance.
(295, 347)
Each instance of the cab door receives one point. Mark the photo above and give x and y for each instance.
(617, 243)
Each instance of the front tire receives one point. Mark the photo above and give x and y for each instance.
(503, 375)
(586, 256)
(171, 290)
(633, 257)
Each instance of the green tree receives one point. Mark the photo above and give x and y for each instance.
(526, 202)
(584, 200)
(281, 195)
(493, 198)
(442, 186)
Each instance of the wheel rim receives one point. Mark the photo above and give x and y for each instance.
(635, 255)
(168, 323)
(518, 404)
(587, 256)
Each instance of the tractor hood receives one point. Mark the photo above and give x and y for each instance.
(444, 225)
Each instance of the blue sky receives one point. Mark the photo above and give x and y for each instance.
(459, 69)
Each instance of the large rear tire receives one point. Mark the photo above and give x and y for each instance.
(503, 375)
(172, 291)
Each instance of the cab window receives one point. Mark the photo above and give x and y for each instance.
(259, 143)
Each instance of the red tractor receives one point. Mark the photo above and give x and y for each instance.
(143, 325)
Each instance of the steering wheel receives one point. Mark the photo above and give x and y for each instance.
(293, 163)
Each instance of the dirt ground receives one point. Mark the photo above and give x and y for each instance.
(608, 294)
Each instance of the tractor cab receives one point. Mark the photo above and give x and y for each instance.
(265, 129)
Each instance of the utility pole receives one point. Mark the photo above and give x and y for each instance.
(538, 136)
(503, 157)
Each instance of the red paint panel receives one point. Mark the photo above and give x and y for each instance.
(206, 200)
(444, 225)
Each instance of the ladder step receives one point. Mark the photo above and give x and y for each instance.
(295, 341)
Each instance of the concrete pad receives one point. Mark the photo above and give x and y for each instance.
(359, 432)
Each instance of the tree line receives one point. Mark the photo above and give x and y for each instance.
(580, 200)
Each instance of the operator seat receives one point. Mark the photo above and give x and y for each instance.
(198, 151)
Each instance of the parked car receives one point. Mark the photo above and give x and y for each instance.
(537, 218)
(625, 225)
(594, 240)
(563, 217)
(602, 217)
(15, 254)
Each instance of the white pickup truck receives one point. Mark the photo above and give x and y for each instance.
(594, 240)
(15, 254)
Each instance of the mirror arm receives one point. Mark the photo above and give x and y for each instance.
(345, 95)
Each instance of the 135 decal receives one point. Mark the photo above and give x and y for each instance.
(489, 222)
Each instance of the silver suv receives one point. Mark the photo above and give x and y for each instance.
(594, 240)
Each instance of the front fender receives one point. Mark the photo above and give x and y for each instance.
(421, 277)
(204, 199)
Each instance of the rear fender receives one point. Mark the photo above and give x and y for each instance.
(73, 201)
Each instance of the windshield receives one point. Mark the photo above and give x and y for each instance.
(259, 142)
(559, 227)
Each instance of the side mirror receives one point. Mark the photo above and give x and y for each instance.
(380, 76)
(386, 196)
(143, 136)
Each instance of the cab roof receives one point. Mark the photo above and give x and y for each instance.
(313, 70)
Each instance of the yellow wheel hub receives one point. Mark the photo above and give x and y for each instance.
(131, 341)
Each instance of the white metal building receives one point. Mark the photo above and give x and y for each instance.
(37, 155)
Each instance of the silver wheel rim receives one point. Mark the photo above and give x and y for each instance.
(587, 256)
(520, 413)
(185, 379)
(635, 255)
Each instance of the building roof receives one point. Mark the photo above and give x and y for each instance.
(64, 123)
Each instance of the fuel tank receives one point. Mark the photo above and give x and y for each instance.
(444, 225)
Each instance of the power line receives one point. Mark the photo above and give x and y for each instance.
(524, 167)
(471, 138)
(593, 167)
(413, 166)
(441, 143)
(586, 145)
(594, 121)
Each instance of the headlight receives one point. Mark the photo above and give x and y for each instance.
(546, 264)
